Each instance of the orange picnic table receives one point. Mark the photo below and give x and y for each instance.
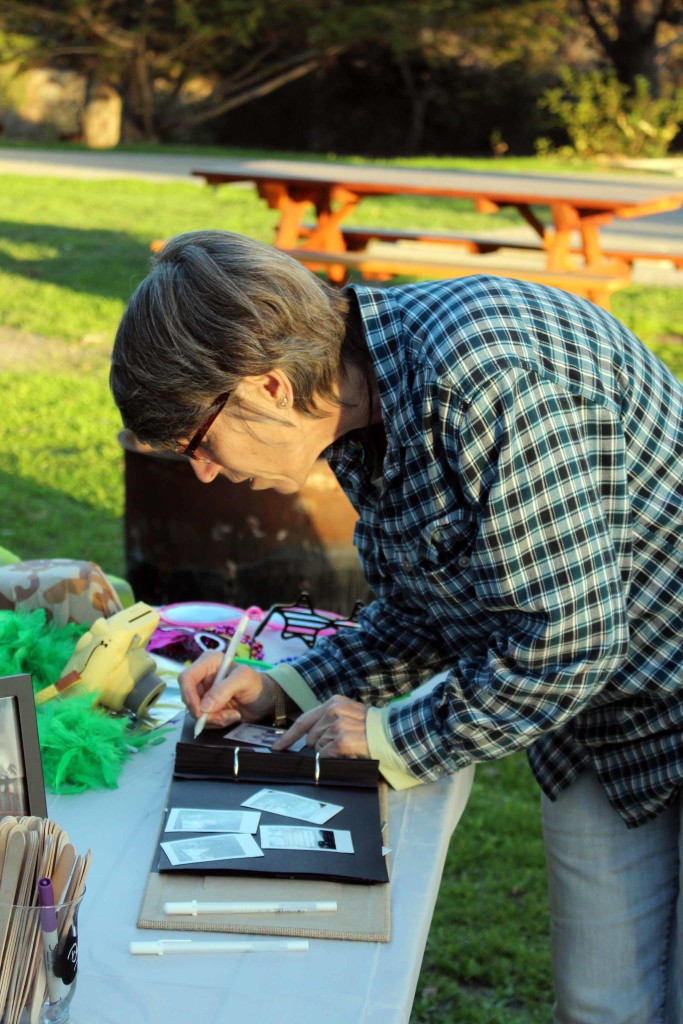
(580, 206)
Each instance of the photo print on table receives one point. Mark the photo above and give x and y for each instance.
(291, 805)
(203, 819)
(227, 846)
(299, 837)
(260, 736)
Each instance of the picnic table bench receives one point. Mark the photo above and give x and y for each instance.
(357, 239)
(383, 263)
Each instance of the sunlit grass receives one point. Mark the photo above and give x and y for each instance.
(71, 252)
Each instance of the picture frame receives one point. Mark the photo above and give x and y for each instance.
(22, 787)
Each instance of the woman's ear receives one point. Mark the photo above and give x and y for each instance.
(274, 388)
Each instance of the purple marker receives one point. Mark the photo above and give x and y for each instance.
(50, 934)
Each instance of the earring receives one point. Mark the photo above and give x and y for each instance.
(283, 402)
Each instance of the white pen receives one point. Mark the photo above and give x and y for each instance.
(195, 907)
(225, 667)
(222, 946)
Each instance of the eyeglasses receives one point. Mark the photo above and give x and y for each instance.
(190, 450)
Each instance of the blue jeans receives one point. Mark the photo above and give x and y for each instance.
(616, 910)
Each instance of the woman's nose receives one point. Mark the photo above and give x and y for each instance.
(205, 471)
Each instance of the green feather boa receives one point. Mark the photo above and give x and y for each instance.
(82, 745)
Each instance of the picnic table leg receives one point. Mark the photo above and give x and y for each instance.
(591, 243)
(594, 254)
(530, 217)
(327, 235)
(289, 228)
(566, 220)
(292, 210)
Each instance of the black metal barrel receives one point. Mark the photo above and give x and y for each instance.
(186, 541)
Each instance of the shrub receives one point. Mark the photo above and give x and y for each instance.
(601, 115)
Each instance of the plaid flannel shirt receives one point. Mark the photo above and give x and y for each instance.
(525, 537)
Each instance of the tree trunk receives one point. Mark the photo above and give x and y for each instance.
(635, 52)
(101, 124)
(627, 34)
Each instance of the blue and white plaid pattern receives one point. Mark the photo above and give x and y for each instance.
(526, 536)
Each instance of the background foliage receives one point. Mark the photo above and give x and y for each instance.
(378, 77)
(601, 115)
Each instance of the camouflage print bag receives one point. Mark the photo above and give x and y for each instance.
(68, 590)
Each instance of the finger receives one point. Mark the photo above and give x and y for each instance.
(299, 728)
(335, 715)
(223, 718)
(219, 695)
(329, 746)
(195, 680)
(324, 741)
(318, 731)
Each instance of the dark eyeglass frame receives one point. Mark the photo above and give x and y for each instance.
(190, 449)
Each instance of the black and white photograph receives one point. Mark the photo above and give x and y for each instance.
(201, 819)
(13, 796)
(291, 805)
(209, 848)
(260, 736)
(298, 837)
(21, 773)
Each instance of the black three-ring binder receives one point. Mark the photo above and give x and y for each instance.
(214, 772)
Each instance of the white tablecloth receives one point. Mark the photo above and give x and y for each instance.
(334, 981)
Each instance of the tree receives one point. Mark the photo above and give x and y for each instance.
(635, 35)
(186, 62)
(182, 62)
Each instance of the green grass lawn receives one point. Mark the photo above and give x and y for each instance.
(70, 254)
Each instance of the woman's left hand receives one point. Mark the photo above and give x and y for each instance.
(335, 729)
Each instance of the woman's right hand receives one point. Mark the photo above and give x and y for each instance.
(244, 695)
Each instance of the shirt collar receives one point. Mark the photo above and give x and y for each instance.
(391, 356)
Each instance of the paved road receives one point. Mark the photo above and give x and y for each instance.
(659, 232)
(62, 164)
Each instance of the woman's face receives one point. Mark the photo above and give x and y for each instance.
(274, 447)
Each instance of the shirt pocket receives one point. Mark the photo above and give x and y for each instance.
(440, 561)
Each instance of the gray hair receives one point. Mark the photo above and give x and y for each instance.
(215, 308)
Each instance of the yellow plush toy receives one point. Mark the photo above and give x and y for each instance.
(111, 661)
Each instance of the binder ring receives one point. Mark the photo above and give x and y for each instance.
(236, 762)
(317, 768)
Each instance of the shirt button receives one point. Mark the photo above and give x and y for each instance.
(463, 561)
(407, 564)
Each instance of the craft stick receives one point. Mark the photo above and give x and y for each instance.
(6, 824)
(34, 958)
(62, 841)
(31, 822)
(39, 995)
(224, 666)
(29, 956)
(15, 954)
(31, 848)
(14, 857)
(86, 869)
(62, 871)
(76, 888)
(31, 992)
(46, 857)
(75, 875)
(27, 932)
